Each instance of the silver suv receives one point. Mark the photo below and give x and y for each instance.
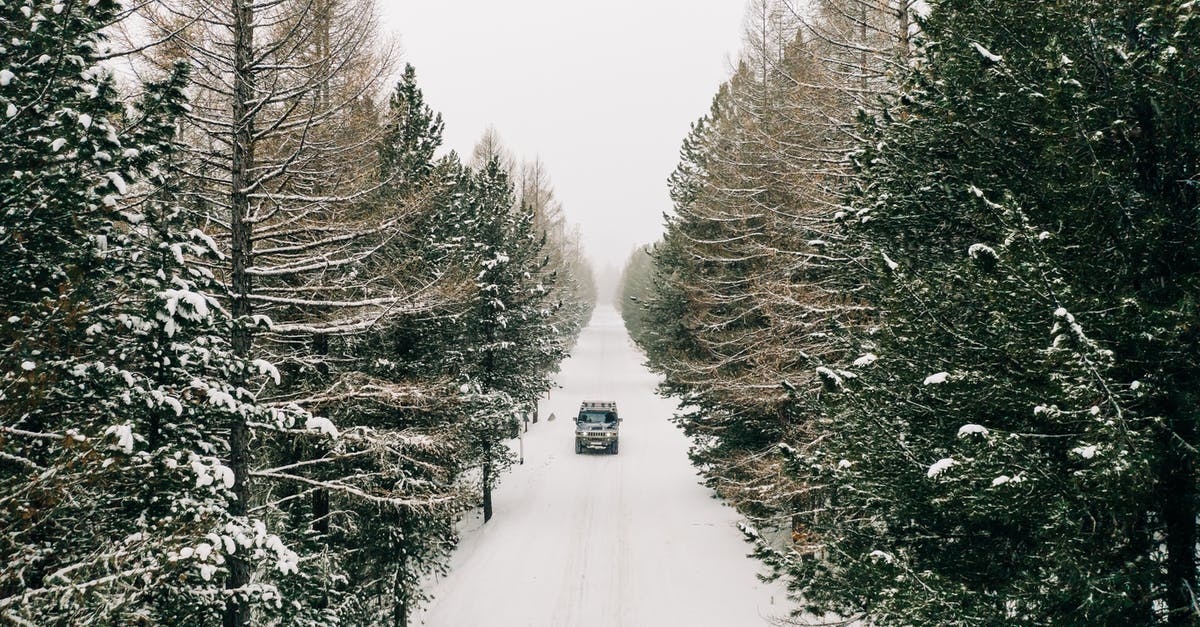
(596, 428)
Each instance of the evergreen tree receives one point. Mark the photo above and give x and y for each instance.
(411, 135)
(281, 139)
(113, 356)
(148, 441)
(736, 311)
(511, 340)
(635, 289)
(388, 547)
(572, 288)
(1014, 443)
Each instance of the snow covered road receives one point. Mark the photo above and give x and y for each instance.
(627, 540)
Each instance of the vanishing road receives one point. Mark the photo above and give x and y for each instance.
(627, 540)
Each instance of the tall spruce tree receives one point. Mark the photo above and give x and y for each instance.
(1016, 441)
(391, 548)
(112, 349)
(412, 134)
(512, 341)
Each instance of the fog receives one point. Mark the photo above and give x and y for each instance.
(603, 93)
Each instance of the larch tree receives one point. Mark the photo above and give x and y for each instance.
(397, 546)
(241, 369)
(281, 144)
(568, 273)
(744, 306)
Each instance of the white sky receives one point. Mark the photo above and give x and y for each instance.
(603, 92)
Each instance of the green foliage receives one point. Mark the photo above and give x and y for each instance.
(985, 205)
(999, 425)
(112, 348)
(433, 391)
(635, 289)
(412, 134)
(116, 363)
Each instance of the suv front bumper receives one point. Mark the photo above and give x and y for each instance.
(597, 441)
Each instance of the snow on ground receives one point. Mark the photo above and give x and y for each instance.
(595, 540)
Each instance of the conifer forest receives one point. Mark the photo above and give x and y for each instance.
(924, 310)
(928, 293)
(260, 345)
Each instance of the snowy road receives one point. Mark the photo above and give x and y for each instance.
(629, 540)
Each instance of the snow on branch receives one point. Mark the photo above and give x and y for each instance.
(353, 491)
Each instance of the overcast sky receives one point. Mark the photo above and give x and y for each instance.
(603, 92)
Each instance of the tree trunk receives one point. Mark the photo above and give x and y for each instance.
(487, 490)
(237, 610)
(902, 28)
(1177, 489)
(400, 610)
(863, 60)
(400, 586)
(320, 512)
(320, 500)
(1179, 511)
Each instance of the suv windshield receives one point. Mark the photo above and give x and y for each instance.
(597, 417)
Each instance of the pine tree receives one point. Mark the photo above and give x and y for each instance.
(512, 342)
(283, 163)
(113, 360)
(635, 289)
(149, 438)
(1010, 445)
(387, 549)
(572, 290)
(736, 313)
(412, 135)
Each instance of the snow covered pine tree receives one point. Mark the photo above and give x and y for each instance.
(1018, 445)
(509, 329)
(112, 351)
